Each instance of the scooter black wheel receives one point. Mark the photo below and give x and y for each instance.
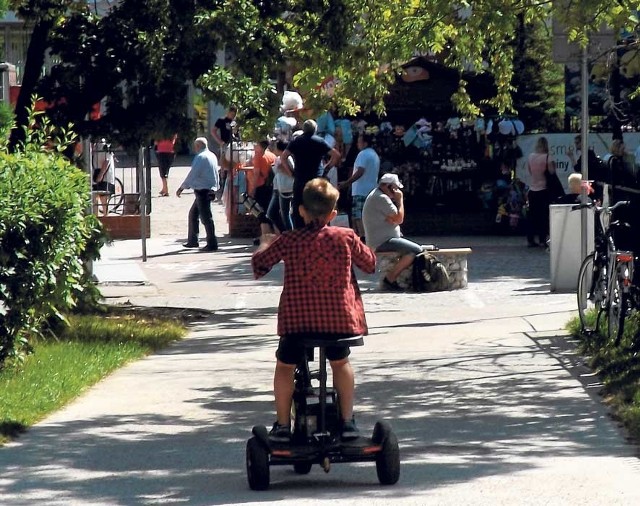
(302, 467)
(388, 460)
(257, 465)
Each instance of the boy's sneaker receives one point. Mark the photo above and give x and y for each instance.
(349, 430)
(280, 433)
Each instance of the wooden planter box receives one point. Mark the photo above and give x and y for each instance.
(124, 226)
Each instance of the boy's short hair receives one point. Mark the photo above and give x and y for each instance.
(319, 197)
(281, 145)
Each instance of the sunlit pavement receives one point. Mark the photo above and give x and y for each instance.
(481, 386)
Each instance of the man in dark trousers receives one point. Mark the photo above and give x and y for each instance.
(308, 151)
(203, 179)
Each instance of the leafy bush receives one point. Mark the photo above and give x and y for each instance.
(6, 123)
(45, 237)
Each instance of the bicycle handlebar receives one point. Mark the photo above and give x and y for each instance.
(609, 209)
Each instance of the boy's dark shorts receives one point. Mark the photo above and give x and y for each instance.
(290, 350)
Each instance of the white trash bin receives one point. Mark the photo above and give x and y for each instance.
(565, 229)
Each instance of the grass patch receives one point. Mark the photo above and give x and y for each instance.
(618, 367)
(61, 368)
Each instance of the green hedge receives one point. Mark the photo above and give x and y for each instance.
(46, 236)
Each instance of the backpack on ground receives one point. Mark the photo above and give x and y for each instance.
(429, 274)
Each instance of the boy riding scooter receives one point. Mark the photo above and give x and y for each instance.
(320, 298)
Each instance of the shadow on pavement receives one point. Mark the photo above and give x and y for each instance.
(458, 420)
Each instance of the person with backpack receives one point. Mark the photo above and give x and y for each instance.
(382, 215)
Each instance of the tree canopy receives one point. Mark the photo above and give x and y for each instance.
(138, 57)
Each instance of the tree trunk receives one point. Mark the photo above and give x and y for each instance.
(33, 68)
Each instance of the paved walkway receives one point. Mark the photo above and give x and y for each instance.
(481, 385)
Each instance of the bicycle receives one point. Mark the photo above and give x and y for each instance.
(605, 276)
(116, 199)
(620, 295)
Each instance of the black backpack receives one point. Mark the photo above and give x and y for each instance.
(429, 274)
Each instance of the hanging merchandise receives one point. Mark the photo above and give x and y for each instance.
(326, 124)
(345, 126)
(506, 127)
(286, 122)
(519, 126)
(291, 101)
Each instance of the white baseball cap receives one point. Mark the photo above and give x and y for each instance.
(390, 179)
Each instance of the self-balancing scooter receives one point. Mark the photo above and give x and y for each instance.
(315, 437)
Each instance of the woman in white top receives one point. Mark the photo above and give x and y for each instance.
(538, 195)
(279, 207)
(104, 177)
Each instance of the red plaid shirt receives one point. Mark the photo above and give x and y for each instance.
(320, 292)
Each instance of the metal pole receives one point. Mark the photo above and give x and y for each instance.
(87, 156)
(142, 188)
(86, 161)
(584, 141)
(147, 178)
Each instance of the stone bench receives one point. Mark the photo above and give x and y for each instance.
(454, 259)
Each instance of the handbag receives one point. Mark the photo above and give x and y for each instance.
(554, 186)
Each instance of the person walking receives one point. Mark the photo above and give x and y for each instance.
(538, 196)
(279, 207)
(308, 151)
(104, 177)
(204, 180)
(621, 174)
(165, 152)
(261, 186)
(222, 133)
(363, 179)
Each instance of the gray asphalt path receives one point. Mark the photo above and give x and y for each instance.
(489, 401)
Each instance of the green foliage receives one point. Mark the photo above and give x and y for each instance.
(7, 122)
(88, 349)
(354, 42)
(137, 57)
(258, 118)
(152, 333)
(538, 83)
(45, 237)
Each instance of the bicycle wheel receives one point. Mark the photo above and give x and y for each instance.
(617, 310)
(117, 198)
(589, 296)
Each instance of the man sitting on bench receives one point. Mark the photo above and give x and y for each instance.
(382, 215)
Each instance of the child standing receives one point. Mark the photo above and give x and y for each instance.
(320, 298)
